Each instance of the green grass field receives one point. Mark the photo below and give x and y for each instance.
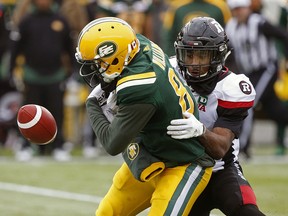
(44, 187)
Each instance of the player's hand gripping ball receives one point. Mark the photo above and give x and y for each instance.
(36, 124)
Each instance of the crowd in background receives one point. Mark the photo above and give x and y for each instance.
(36, 56)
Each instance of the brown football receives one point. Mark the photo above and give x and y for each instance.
(36, 124)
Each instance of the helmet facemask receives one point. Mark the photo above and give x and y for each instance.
(199, 63)
(93, 71)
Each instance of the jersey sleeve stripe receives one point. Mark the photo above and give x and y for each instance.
(135, 83)
(229, 104)
(136, 77)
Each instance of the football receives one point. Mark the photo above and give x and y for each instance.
(36, 124)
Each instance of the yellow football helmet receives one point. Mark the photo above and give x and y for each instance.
(105, 46)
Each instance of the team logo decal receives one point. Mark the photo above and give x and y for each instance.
(202, 102)
(106, 49)
(245, 87)
(132, 151)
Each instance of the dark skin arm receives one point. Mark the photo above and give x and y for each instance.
(217, 142)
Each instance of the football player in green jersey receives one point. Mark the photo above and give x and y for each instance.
(159, 172)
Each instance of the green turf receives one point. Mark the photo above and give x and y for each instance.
(82, 176)
(267, 174)
(269, 182)
(20, 204)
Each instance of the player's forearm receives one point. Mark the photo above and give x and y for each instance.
(108, 134)
(126, 125)
(98, 121)
(217, 142)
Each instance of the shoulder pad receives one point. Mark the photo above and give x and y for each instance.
(236, 87)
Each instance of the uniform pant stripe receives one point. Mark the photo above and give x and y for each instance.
(187, 185)
(248, 195)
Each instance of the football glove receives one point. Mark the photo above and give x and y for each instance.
(186, 128)
(110, 108)
(99, 94)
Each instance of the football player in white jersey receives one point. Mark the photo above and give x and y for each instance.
(223, 102)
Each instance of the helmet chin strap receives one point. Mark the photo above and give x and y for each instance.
(203, 75)
(109, 79)
(227, 54)
(200, 75)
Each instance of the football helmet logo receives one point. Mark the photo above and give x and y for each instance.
(106, 49)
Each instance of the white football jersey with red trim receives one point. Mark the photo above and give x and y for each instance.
(226, 106)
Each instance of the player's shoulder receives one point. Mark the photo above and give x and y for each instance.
(235, 87)
(136, 88)
(136, 80)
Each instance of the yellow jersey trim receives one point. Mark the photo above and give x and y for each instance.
(138, 79)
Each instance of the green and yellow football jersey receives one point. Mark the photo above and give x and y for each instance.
(150, 79)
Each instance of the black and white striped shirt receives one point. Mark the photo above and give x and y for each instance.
(253, 49)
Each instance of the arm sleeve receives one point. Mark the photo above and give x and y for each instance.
(126, 125)
(231, 119)
(237, 97)
(275, 32)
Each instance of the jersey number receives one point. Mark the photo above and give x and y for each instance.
(185, 100)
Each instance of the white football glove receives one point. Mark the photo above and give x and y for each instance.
(108, 105)
(110, 108)
(185, 128)
(99, 94)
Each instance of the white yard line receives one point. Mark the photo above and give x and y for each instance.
(52, 193)
(49, 192)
